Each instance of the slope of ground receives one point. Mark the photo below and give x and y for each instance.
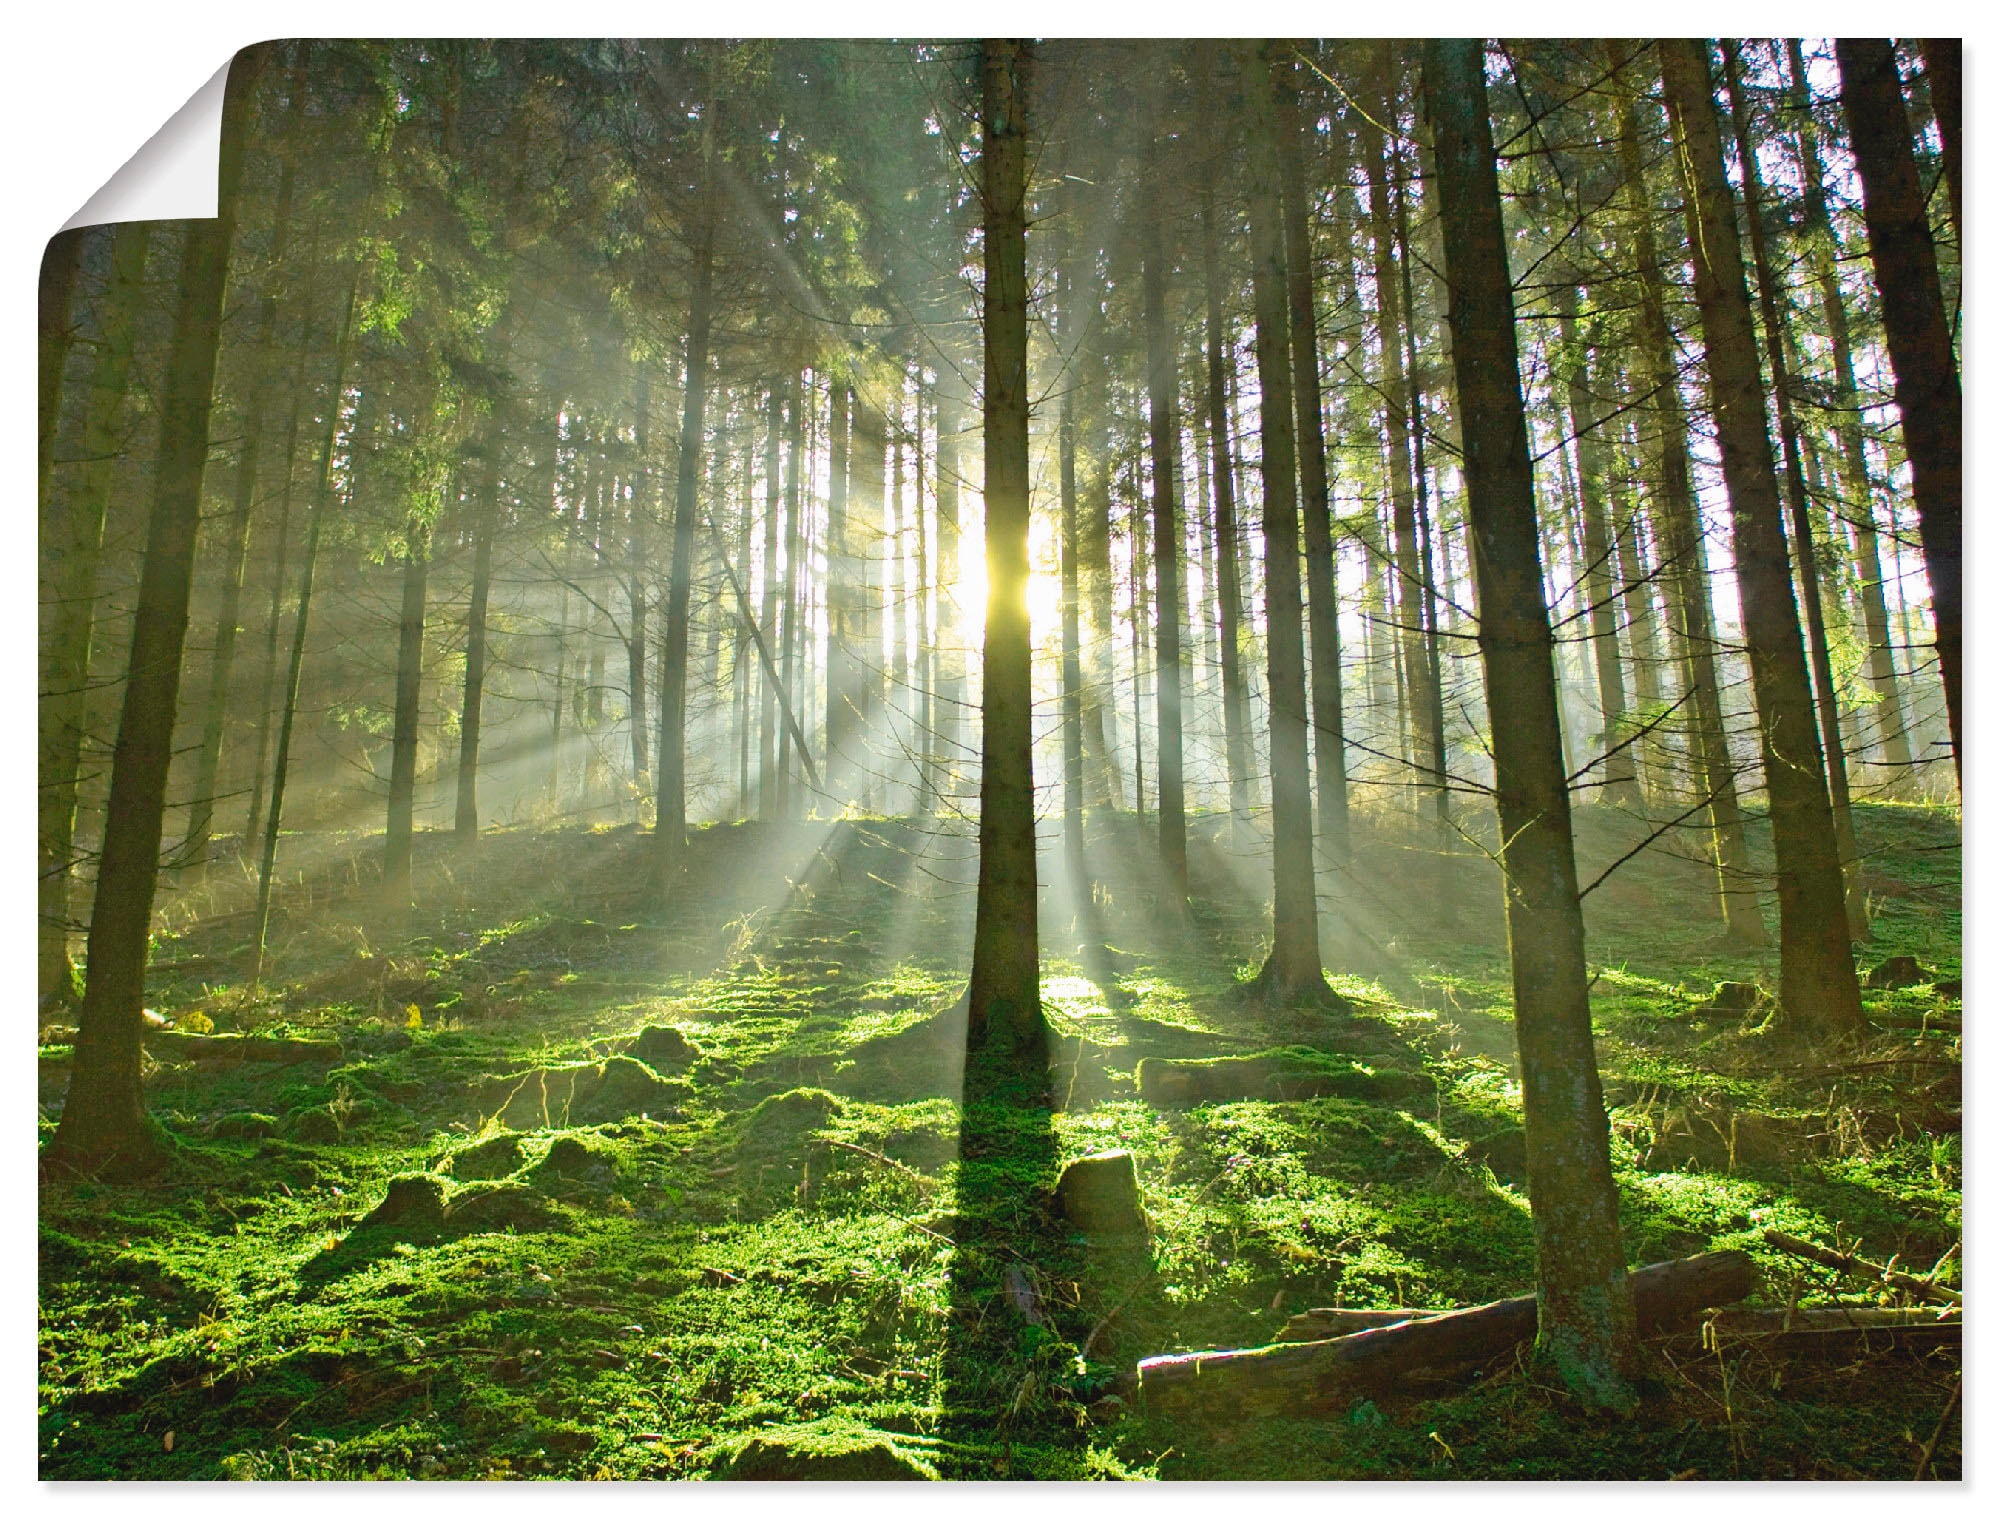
(487, 1234)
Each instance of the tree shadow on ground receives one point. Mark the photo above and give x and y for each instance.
(1007, 1360)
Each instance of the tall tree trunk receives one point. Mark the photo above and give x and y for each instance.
(398, 840)
(1228, 584)
(1164, 430)
(896, 522)
(1816, 964)
(1004, 995)
(1920, 346)
(768, 784)
(1635, 578)
(1858, 504)
(1433, 666)
(55, 333)
(71, 547)
(301, 621)
(274, 619)
(1944, 62)
(1323, 606)
(951, 632)
(1292, 973)
(638, 573)
(1100, 696)
(1072, 644)
(868, 514)
(670, 812)
(1620, 776)
(1686, 557)
(1827, 704)
(465, 816)
(1390, 317)
(104, 1128)
(843, 667)
(794, 547)
(235, 544)
(1587, 1326)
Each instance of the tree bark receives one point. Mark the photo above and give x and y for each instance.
(1072, 644)
(398, 839)
(104, 1128)
(301, 621)
(1164, 436)
(1686, 560)
(843, 674)
(1816, 963)
(1004, 1009)
(1944, 62)
(950, 632)
(1585, 1321)
(71, 547)
(638, 572)
(1414, 667)
(1228, 587)
(1292, 973)
(222, 657)
(768, 783)
(1827, 702)
(55, 334)
(1919, 336)
(465, 814)
(1322, 599)
(1620, 776)
(670, 810)
(794, 546)
(1858, 504)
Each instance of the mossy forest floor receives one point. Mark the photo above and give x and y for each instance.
(775, 1248)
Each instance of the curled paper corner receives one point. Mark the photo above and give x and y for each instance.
(173, 175)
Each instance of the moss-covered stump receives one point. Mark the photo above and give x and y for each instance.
(488, 1160)
(412, 1205)
(572, 1160)
(247, 1126)
(1896, 972)
(501, 1208)
(663, 1047)
(626, 1088)
(780, 1122)
(827, 1450)
(1282, 1075)
(314, 1126)
(1099, 1196)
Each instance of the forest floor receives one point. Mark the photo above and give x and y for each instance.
(771, 1245)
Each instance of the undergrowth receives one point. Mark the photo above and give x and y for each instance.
(812, 1242)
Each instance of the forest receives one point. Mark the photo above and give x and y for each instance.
(1086, 760)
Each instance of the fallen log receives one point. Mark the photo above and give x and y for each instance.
(1854, 1265)
(172, 1045)
(1332, 1323)
(1663, 1296)
(1819, 1329)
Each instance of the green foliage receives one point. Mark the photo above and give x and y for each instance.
(793, 1266)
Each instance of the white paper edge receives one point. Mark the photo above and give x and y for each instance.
(173, 175)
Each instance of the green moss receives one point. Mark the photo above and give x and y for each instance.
(827, 1450)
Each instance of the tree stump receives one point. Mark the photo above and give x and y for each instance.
(1099, 1195)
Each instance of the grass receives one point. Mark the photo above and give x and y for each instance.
(798, 1253)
